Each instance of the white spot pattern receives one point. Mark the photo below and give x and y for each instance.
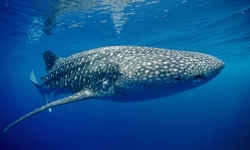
(130, 68)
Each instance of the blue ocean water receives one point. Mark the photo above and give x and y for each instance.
(213, 116)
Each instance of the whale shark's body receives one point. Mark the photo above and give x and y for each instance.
(124, 74)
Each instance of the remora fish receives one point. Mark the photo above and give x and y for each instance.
(124, 74)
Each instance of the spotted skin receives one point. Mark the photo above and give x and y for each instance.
(132, 72)
(125, 74)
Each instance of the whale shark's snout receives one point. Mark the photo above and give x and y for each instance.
(203, 67)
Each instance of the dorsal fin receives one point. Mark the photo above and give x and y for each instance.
(50, 59)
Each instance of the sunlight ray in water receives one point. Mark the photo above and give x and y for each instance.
(115, 8)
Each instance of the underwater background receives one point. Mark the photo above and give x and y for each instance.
(211, 117)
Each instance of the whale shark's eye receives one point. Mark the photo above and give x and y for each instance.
(197, 77)
(177, 78)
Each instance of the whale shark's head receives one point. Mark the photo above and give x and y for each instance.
(170, 73)
(191, 70)
(195, 67)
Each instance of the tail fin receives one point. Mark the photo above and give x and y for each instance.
(81, 95)
(34, 81)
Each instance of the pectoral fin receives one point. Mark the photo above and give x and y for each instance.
(81, 95)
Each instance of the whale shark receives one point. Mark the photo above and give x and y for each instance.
(123, 74)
